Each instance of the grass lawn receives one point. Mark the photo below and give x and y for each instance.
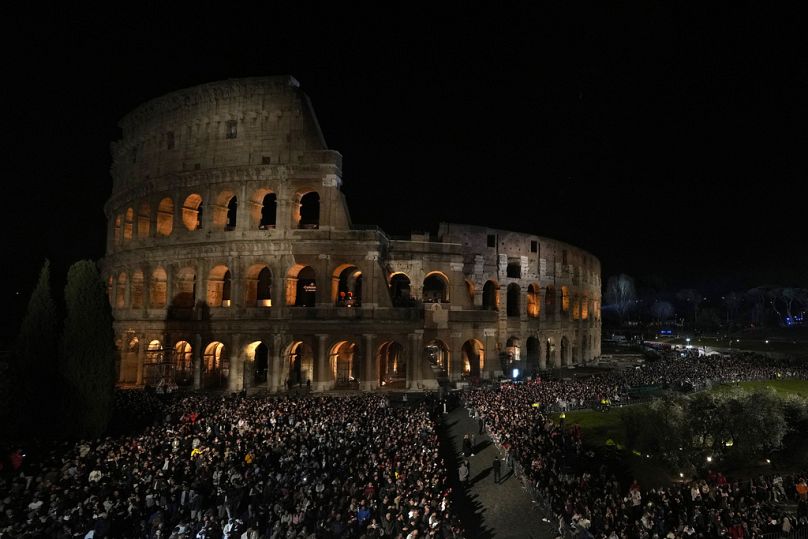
(783, 387)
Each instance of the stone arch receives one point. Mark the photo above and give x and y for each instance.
(470, 289)
(566, 352)
(301, 286)
(185, 290)
(392, 365)
(533, 359)
(533, 301)
(308, 210)
(158, 289)
(129, 224)
(585, 308)
(116, 230)
(143, 220)
(183, 363)
(215, 365)
(165, 217)
(346, 286)
(299, 364)
(473, 353)
(192, 212)
(436, 288)
(400, 291)
(154, 352)
(263, 209)
(136, 296)
(344, 362)
(565, 300)
(576, 307)
(219, 287)
(550, 300)
(224, 211)
(514, 295)
(256, 365)
(259, 286)
(120, 290)
(438, 353)
(491, 296)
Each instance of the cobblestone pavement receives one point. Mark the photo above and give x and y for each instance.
(490, 510)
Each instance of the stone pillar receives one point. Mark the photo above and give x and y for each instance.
(274, 365)
(235, 376)
(197, 361)
(322, 372)
(370, 374)
(411, 382)
(141, 356)
(542, 354)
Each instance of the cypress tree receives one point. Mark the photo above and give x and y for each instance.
(36, 359)
(88, 350)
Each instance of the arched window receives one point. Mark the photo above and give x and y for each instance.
(185, 290)
(232, 211)
(192, 212)
(165, 217)
(565, 299)
(268, 211)
(120, 291)
(137, 289)
(550, 301)
(533, 301)
(310, 211)
(514, 269)
(576, 307)
(143, 220)
(400, 290)
(436, 288)
(301, 286)
(219, 287)
(116, 230)
(585, 308)
(514, 291)
(348, 291)
(491, 296)
(259, 286)
(158, 289)
(129, 224)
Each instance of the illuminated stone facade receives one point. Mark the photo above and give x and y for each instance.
(232, 262)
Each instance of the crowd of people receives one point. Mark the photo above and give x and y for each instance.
(583, 492)
(245, 467)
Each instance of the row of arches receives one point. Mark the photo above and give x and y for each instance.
(301, 288)
(141, 222)
(297, 362)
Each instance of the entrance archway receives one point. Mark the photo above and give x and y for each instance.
(549, 354)
(438, 354)
(473, 358)
(215, 365)
(256, 355)
(183, 363)
(345, 365)
(491, 296)
(392, 365)
(566, 352)
(532, 362)
(299, 364)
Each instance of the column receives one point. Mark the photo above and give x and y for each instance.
(197, 361)
(542, 353)
(322, 372)
(235, 376)
(411, 383)
(274, 367)
(369, 377)
(142, 343)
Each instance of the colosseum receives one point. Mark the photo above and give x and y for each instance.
(232, 263)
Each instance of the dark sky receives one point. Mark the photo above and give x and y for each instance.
(669, 141)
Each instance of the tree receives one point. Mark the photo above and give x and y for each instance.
(35, 355)
(733, 302)
(88, 349)
(621, 294)
(662, 311)
(693, 297)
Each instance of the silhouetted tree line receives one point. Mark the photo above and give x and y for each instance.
(62, 369)
(762, 306)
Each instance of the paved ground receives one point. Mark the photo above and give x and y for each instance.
(489, 510)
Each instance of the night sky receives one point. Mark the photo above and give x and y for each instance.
(669, 142)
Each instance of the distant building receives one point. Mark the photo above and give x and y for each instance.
(232, 262)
